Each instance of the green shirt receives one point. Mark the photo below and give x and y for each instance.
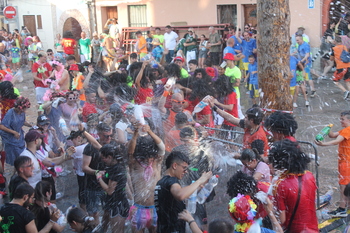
(161, 39)
(85, 46)
(184, 73)
(234, 73)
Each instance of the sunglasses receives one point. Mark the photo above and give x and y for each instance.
(246, 28)
(178, 102)
(50, 54)
(107, 136)
(72, 98)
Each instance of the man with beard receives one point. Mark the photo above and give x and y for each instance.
(17, 218)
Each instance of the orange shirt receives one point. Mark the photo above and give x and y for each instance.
(344, 146)
(172, 139)
(142, 42)
(337, 53)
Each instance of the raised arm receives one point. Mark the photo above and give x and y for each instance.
(140, 74)
(162, 99)
(88, 77)
(224, 114)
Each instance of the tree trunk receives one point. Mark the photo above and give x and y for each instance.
(273, 44)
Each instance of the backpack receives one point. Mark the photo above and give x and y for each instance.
(345, 56)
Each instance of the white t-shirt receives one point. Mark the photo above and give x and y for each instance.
(78, 160)
(37, 169)
(122, 126)
(43, 154)
(170, 40)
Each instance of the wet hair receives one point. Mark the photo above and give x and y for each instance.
(92, 117)
(49, 50)
(41, 188)
(22, 190)
(124, 92)
(220, 225)
(181, 118)
(116, 151)
(176, 156)
(133, 55)
(20, 161)
(200, 70)
(188, 131)
(338, 39)
(281, 122)
(145, 148)
(201, 88)
(22, 102)
(286, 154)
(208, 63)
(194, 62)
(223, 86)
(157, 28)
(68, 34)
(255, 114)
(251, 56)
(241, 183)
(103, 127)
(173, 70)
(70, 57)
(250, 155)
(80, 216)
(7, 90)
(345, 113)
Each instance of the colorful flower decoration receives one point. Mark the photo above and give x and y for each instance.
(243, 210)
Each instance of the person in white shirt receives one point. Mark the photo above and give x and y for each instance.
(170, 40)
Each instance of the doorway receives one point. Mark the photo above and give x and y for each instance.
(250, 15)
(29, 22)
(73, 25)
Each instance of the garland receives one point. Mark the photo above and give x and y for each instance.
(243, 218)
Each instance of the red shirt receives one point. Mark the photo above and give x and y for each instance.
(231, 99)
(144, 97)
(249, 138)
(87, 110)
(206, 111)
(5, 105)
(286, 195)
(35, 69)
(68, 45)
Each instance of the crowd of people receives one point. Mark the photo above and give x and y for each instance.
(137, 128)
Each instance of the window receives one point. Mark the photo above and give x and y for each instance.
(137, 15)
(39, 23)
(227, 14)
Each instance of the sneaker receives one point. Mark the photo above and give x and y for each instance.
(346, 94)
(295, 105)
(307, 104)
(312, 94)
(338, 213)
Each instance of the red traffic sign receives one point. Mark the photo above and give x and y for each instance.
(10, 12)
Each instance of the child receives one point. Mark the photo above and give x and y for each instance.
(253, 79)
(33, 53)
(79, 220)
(301, 83)
(157, 51)
(342, 138)
(16, 57)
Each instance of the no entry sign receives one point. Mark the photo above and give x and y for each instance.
(10, 12)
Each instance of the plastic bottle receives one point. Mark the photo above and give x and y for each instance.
(192, 202)
(199, 107)
(62, 221)
(171, 81)
(63, 126)
(207, 189)
(327, 197)
(140, 118)
(324, 132)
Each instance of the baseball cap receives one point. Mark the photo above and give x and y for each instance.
(33, 135)
(179, 58)
(229, 56)
(42, 120)
(74, 67)
(210, 71)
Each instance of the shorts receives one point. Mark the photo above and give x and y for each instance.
(117, 208)
(344, 172)
(81, 189)
(307, 70)
(143, 216)
(52, 182)
(341, 73)
(218, 119)
(93, 199)
(254, 90)
(245, 65)
(292, 90)
(16, 59)
(214, 58)
(203, 54)
(109, 53)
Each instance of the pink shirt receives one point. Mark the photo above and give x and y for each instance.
(262, 168)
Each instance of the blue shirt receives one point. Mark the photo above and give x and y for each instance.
(303, 49)
(228, 49)
(157, 53)
(237, 45)
(253, 78)
(293, 62)
(248, 47)
(15, 52)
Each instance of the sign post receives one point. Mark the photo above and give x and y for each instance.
(311, 4)
(10, 12)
